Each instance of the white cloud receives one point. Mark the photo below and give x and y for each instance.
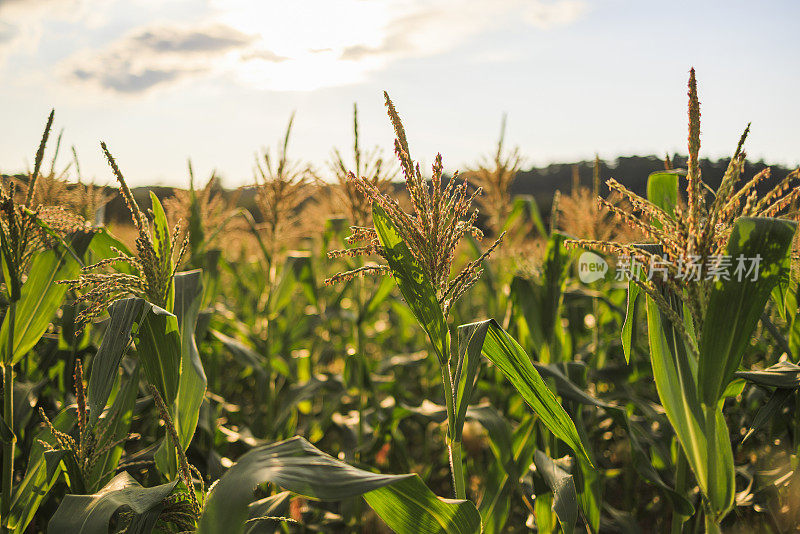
(548, 15)
(157, 55)
(21, 21)
(303, 45)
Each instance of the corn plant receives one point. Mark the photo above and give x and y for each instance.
(698, 328)
(35, 256)
(419, 249)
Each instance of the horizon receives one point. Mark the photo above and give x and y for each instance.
(215, 82)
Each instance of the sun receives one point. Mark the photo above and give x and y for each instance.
(301, 46)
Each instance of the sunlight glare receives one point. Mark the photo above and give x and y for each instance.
(300, 44)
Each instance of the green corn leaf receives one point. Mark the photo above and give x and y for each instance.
(503, 479)
(525, 206)
(721, 470)
(124, 314)
(675, 372)
(526, 299)
(116, 426)
(414, 285)
(161, 232)
(675, 378)
(242, 353)
(408, 506)
(768, 411)
(192, 387)
(297, 271)
(735, 306)
(554, 275)
(41, 296)
(102, 247)
(381, 293)
(192, 383)
(643, 465)
(39, 476)
(561, 483)
(159, 347)
(466, 373)
(90, 514)
(163, 244)
(505, 353)
(261, 513)
(641, 460)
(630, 316)
(662, 190)
(404, 503)
(783, 375)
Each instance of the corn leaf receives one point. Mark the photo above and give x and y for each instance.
(384, 290)
(90, 514)
(297, 271)
(735, 306)
(163, 244)
(414, 285)
(525, 206)
(192, 382)
(630, 316)
(159, 347)
(675, 372)
(161, 233)
(768, 411)
(503, 351)
(470, 344)
(262, 513)
(540, 301)
(124, 314)
(39, 476)
(784, 375)
(503, 478)
(41, 296)
(404, 503)
(118, 422)
(662, 190)
(561, 483)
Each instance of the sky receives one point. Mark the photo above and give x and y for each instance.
(216, 81)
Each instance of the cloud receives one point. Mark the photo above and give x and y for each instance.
(553, 14)
(431, 27)
(22, 22)
(264, 55)
(127, 80)
(215, 38)
(8, 33)
(276, 46)
(157, 56)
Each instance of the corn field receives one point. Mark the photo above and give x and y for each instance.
(379, 347)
